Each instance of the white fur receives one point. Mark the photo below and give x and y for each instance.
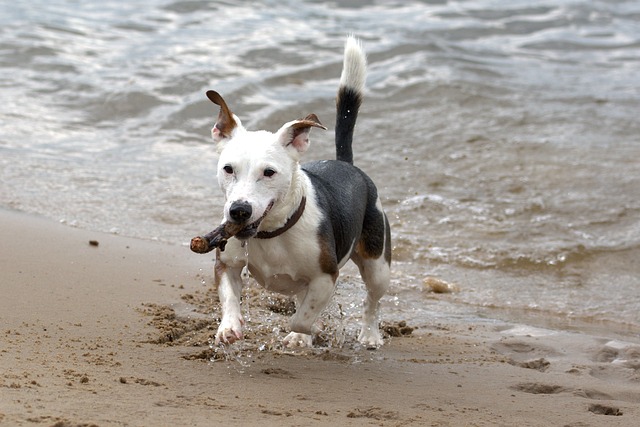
(354, 65)
(288, 263)
(249, 154)
(281, 265)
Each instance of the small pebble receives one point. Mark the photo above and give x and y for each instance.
(439, 286)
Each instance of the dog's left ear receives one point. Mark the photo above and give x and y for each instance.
(226, 123)
(296, 133)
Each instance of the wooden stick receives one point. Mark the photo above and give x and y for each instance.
(216, 238)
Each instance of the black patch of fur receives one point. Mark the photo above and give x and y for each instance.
(347, 106)
(348, 198)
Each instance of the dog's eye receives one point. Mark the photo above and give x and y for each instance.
(269, 172)
(228, 169)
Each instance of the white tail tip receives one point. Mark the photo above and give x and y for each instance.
(354, 68)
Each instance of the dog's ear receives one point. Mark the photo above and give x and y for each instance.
(296, 133)
(226, 123)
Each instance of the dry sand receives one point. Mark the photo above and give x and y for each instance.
(117, 334)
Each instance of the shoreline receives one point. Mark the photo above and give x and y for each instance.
(78, 348)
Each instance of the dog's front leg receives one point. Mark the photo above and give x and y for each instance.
(228, 279)
(310, 304)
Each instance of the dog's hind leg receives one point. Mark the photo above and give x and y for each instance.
(375, 273)
(374, 262)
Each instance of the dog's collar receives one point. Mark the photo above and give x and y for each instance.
(287, 225)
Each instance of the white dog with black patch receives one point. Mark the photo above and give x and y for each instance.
(299, 224)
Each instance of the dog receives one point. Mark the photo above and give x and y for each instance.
(299, 224)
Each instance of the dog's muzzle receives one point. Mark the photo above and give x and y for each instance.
(239, 212)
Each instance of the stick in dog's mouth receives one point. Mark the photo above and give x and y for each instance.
(251, 229)
(219, 236)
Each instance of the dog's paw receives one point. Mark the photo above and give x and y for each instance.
(296, 339)
(370, 338)
(229, 331)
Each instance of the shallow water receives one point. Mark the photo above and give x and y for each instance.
(503, 136)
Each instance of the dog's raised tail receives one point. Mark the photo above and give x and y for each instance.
(350, 93)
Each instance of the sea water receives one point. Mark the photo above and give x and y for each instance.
(504, 136)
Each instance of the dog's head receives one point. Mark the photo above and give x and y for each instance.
(256, 169)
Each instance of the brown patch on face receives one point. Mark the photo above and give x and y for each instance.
(219, 268)
(328, 262)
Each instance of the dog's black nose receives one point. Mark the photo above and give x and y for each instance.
(240, 211)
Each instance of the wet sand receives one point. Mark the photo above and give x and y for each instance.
(102, 330)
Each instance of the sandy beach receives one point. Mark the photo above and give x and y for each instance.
(103, 330)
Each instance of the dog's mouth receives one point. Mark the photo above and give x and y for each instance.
(252, 229)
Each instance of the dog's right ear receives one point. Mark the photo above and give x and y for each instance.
(223, 129)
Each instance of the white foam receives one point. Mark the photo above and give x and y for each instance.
(525, 330)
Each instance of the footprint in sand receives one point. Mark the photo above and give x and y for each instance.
(529, 355)
(538, 388)
(606, 360)
(596, 408)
